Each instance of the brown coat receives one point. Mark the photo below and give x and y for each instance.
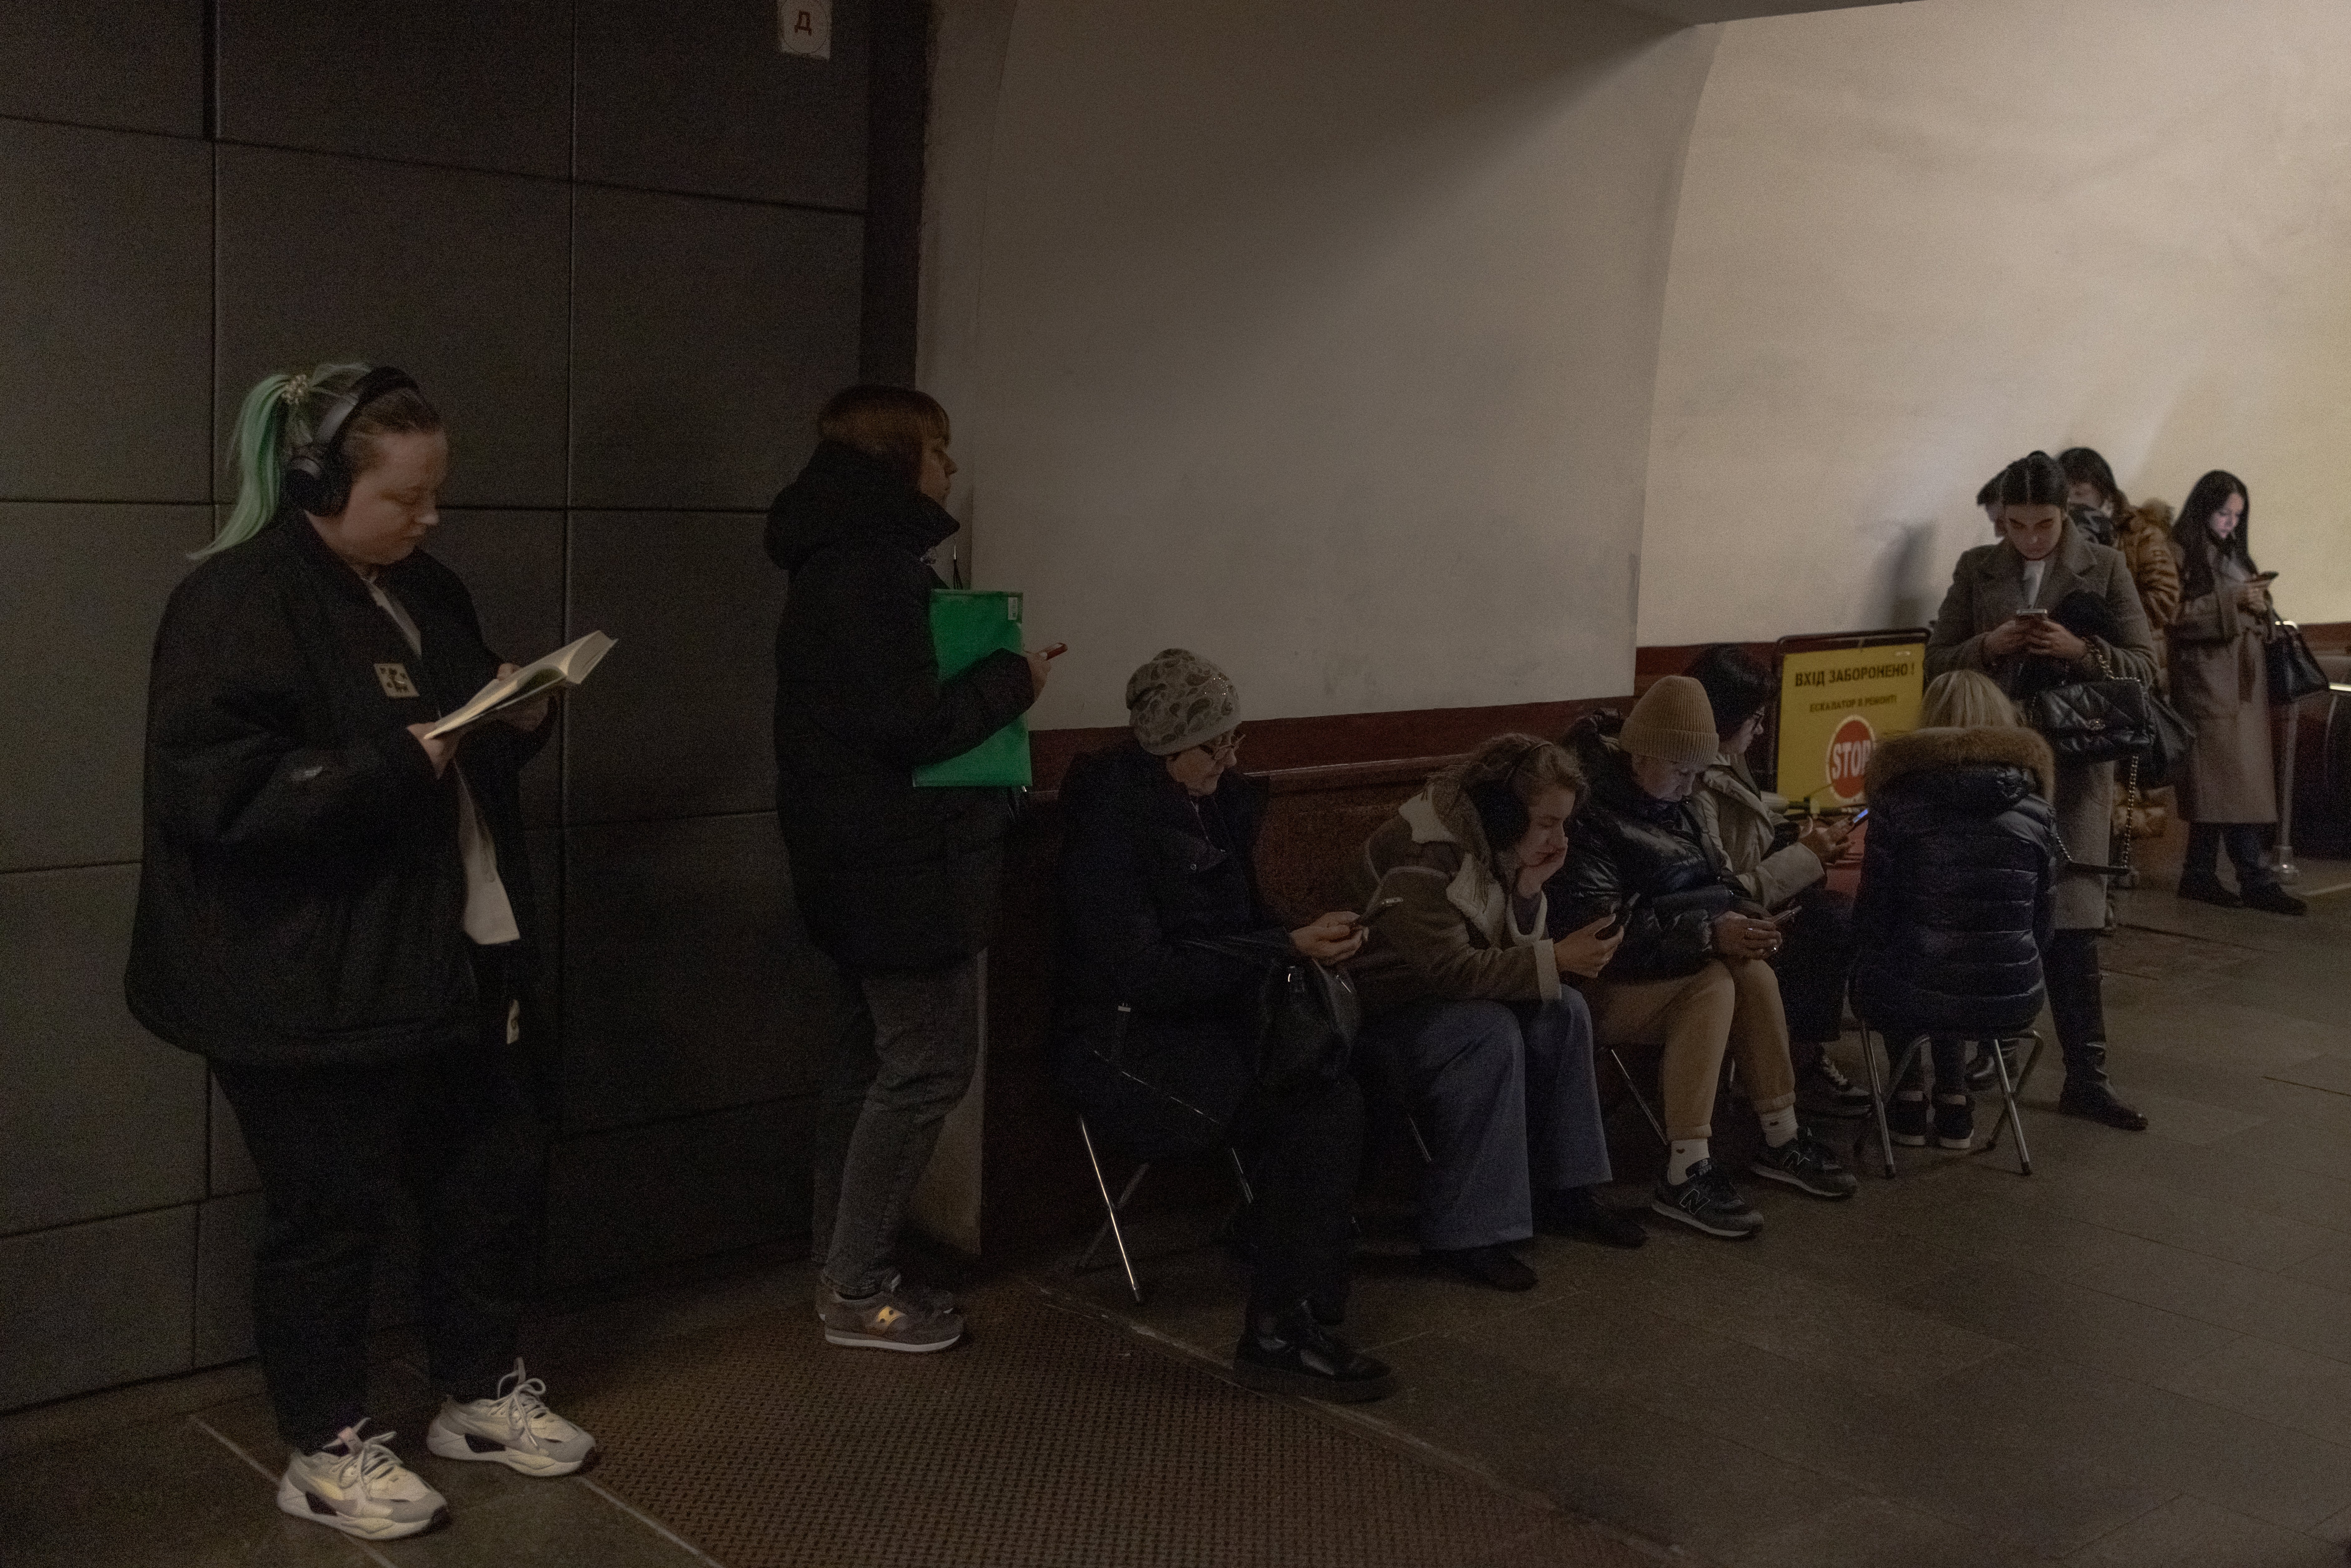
(1453, 937)
(2145, 545)
(1987, 588)
(2219, 685)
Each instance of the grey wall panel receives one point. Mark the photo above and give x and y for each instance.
(703, 98)
(708, 334)
(458, 278)
(85, 588)
(97, 1116)
(542, 1000)
(442, 82)
(106, 315)
(513, 564)
(229, 1169)
(731, 1180)
(136, 64)
(687, 984)
(679, 720)
(228, 1229)
(89, 1306)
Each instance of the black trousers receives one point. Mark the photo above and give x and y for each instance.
(2076, 998)
(1814, 964)
(1302, 1149)
(2245, 841)
(335, 1146)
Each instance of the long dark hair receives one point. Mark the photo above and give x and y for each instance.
(2083, 466)
(2192, 532)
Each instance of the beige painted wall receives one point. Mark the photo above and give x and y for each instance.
(1325, 350)
(1917, 241)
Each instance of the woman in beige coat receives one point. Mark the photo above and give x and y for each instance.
(1987, 624)
(2220, 682)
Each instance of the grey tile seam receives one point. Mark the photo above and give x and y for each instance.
(31, 1230)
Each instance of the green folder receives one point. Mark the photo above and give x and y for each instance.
(968, 624)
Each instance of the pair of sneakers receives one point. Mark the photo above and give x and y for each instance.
(1954, 1120)
(358, 1485)
(1705, 1199)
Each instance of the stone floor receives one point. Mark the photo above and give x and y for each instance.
(2141, 1355)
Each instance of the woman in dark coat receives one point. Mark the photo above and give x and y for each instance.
(2219, 680)
(898, 883)
(1957, 890)
(335, 909)
(1152, 1032)
(2006, 616)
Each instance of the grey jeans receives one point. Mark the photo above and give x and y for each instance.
(896, 1074)
(1507, 1098)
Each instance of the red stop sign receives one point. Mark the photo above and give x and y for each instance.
(1849, 750)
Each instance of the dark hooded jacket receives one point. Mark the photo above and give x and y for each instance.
(1957, 883)
(1627, 849)
(887, 875)
(301, 897)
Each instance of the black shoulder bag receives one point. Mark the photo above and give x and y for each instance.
(2293, 670)
(1306, 1015)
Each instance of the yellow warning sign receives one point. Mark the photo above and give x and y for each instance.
(1835, 704)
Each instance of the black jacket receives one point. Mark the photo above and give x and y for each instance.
(1626, 846)
(301, 897)
(1144, 870)
(888, 876)
(1956, 881)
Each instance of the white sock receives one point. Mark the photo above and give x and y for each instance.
(1779, 1126)
(1687, 1152)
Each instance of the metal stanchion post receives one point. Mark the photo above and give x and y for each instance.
(2287, 872)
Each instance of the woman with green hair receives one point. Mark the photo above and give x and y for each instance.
(334, 911)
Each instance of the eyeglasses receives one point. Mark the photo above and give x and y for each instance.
(1223, 747)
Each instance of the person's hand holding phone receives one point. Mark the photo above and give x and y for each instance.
(1738, 935)
(1825, 837)
(1331, 938)
(1588, 951)
(2009, 637)
(1040, 665)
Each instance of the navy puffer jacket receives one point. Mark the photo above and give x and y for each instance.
(1956, 883)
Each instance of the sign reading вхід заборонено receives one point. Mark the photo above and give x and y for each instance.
(1835, 704)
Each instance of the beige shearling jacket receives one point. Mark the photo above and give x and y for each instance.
(1453, 937)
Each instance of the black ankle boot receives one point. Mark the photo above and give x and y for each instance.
(1289, 1353)
(2274, 898)
(1578, 1211)
(2088, 1093)
(2205, 887)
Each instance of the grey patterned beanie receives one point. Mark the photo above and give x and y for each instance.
(1178, 700)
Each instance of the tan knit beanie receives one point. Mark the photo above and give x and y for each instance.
(1178, 700)
(1674, 723)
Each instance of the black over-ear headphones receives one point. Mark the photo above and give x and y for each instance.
(1496, 800)
(317, 478)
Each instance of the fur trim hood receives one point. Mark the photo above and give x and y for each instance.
(1933, 751)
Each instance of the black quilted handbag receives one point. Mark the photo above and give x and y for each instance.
(2094, 721)
(2293, 670)
(1307, 1015)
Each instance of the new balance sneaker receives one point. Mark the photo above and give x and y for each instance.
(1291, 1353)
(514, 1428)
(1955, 1122)
(360, 1487)
(1906, 1118)
(1705, 1200)
(892, 1318)
(1825, 1091)
(1804, 1162)
(928, 1297)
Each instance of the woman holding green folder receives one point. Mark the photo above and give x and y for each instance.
(898, 882)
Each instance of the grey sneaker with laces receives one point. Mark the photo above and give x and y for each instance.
(1804, 1162)
(357, 1485)
(1705, 1200)
(514, 1428)
(892, 1318)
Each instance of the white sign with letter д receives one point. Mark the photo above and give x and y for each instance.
(805, 28)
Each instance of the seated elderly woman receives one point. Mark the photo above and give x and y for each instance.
(1470, 1015)
(1695, 972)
(1154, 1025)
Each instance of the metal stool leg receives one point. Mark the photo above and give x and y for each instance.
(1240, 1175)
(1412, 1125)
(1633, 1088)
(1877, 1098)
(2008, 1089)
(1110, 1214)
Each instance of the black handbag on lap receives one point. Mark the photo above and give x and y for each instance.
(1307, 1016)
(2293, 670)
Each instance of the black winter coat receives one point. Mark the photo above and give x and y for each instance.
(888, 876)
(1957, 882)
(301, 899)
(1625, 845)
(1144, 868)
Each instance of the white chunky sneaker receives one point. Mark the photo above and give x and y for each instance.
(515, 1430)
(358, 1486)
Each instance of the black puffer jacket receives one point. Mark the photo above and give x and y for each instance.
(1146, 869)
(1626, 846)
(1956, 881)
(301, 900)
(888, 876)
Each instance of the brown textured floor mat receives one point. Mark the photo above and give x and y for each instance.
(1053, 1439)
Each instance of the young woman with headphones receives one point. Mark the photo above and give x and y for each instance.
(335, 911)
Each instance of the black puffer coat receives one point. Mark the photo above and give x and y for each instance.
(1144, 869)
(1956, 883)
(1625, 845)
(888, 876)
(301, 899)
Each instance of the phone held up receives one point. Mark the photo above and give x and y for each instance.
(1379, 907)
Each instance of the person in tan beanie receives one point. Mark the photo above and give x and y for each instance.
(1693, 973)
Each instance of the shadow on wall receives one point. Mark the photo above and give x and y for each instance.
(1909, 571)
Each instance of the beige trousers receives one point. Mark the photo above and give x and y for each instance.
(1732, 1004)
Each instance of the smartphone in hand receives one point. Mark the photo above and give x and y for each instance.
(1381, 906)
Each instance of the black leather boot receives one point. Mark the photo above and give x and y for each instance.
(1289, 1353)
(2088, 1093)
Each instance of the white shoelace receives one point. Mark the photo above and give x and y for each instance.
(524, 1403)
(365, 1459)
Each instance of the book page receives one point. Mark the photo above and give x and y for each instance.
(568, 666)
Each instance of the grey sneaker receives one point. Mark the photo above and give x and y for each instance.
(360, 1487)
(928, 1297)
(1804, 1162)
(1707, 1201)
(890, 1319)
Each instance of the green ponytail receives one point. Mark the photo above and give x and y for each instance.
(269, 425)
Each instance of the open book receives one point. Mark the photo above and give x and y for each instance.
(566, 667)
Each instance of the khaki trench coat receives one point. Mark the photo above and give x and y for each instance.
(1987, 588)
(2220, 684)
